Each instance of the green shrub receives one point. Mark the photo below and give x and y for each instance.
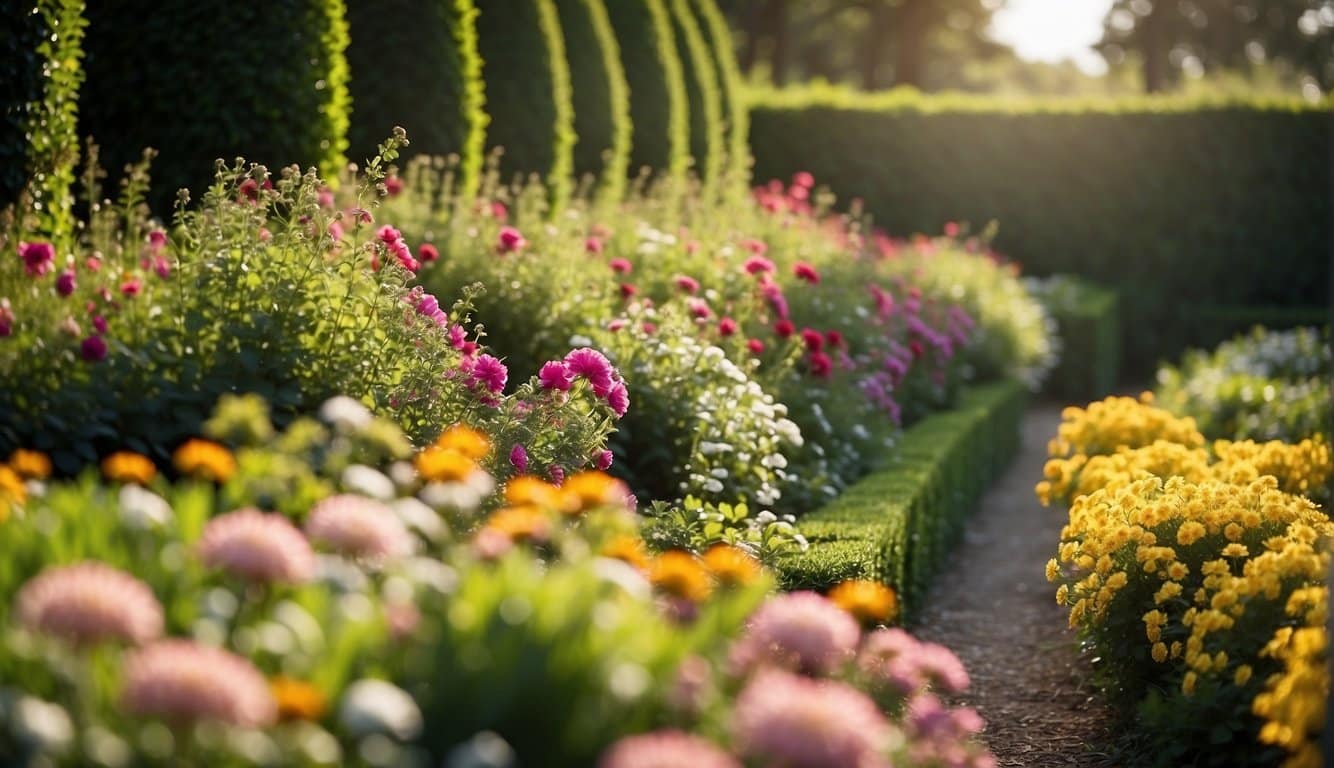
(601, 95)
(702, 91)
(528, 92)
(713, 25)
(1175, 203)
(1088, 325)
(39, 143)
(204, 80)
(415, 63)
(659, 105)
(898, 524)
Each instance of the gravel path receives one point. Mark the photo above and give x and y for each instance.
(994, 608)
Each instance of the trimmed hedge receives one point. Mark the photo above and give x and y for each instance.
(601, 95)
(736, 116)
(203, 80)
(1088, 323)
(659, 105)
(1176, 203)
(898, 524)
(415, 63)
(706, 107)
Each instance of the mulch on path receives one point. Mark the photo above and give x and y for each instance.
(993, 607)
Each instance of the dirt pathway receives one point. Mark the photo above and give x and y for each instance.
(994, 608)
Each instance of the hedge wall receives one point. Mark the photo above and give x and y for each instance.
(659, 105)
(1088, 324)
(208, 79)
(415, 63)
(601, 95)
(898, 524)
(736, 117)
(1186, 207)
(41, 45)
(528, 92)
(706, 107)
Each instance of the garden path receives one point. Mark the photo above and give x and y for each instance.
(994, 608)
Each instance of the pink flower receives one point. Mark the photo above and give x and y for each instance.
(157, 239)
(90, 602)
(6, 321)
(556, 474)
(686, 283)
(788, 720)
(99, 324)
(38, 258)
(594, 367)
(429, 306)
(265, 235)
(799, 629)
(489, 373)
(665, 749)
(359, 527)
(132, 287)
(756, 265)
(65, 282)
(593, 245)
(620, 266)
(181, 681)
(628, 290)
(618, 399)
(556, 375)
(834, 338)
(699, 308)
(603, 459)
(393, 186)
(257, 547)
(803, 179)
(755, 346)
(784, 328)
(813, 339)
(498, 211)
(951, 229)
(93, 264)
(93, 349)
(325, 199)
(519, 458)
(388, 235)
(806, 272)
(162, 266)
(427, 252)
(756, 247)
(727, 326)
(248, 191)
(458, 336)
(335, 231)
(821, 365)
(510, 240)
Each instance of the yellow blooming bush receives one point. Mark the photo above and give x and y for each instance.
(1293, 701)
(1119, 422)
(1303, 468)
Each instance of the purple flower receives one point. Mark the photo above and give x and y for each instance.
(183, 682)
(38, 258)
(490, 373)
(90, 602)
(519, 458)
(802, 630)
(792, 721)
(257, 547)
(93, 349)
(665, 749)
(65, 282)
(359, 527)
(556, 375)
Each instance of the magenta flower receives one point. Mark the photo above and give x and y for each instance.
(429, 306)
(388, 235)
(427, 252)
(359, 527)
(618, 399)
(489, 373)
(755, 346)
(603, 459)
(699, 308)
(38, 258)
(325, 198)
(801, 630)
(665, 749)
(556, 474)
(88, 603)
(820, 364)
(260, 548)
(6, 322)
(162, 266)
(593, 245)
(784, 328)
(687, 283)
(519, 458)
(806, 272)
(157, 239)
(758, 265)
(621, 266)
(727, 326)
(813, 339)
(788, 720)
(393, 186)
(593, 366)
(65, 282)
(132, 287)
(510, 240)
(99, 324)
(556, 375)
(183, 682)
(93, 349)
(757, 247)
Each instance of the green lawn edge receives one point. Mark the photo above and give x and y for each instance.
(898, 524)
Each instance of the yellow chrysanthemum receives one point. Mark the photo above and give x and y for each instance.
(128, 467)
(533, 491)
(521, 523)
(12, 492)
(731, 566)
(587, 490)
(464, 440)
(204, 459)
(681, 575)
(870, 602)
(30, 465)
(443, 465)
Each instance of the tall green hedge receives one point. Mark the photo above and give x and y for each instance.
(415, 63)
(208, 79)
(736, 117)
(528, 92)
(1202, 215)
(41, 45)
(706, 108)
(659, 105)
(601, 95)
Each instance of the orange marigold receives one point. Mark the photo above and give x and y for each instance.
(205, 459)
(680, 574)
(31, 465)
(867, 601)
(731, 565)
(297, 700)
(444, 465)
(527, 489)
(12, 492)
(524, 522)
(128, 467)
(627, 548)
(464, 440)
(587, 490)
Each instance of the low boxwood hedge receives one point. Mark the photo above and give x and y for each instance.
(1088, 323)
(898, 524)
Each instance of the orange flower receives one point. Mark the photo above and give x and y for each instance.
(731, 565)
(464, 440)
(128, 467)
(205, 459)
(12, 492)
(520, 523)
(31, 465)
(627, 548)
(527, 489)
(297, 700)
(444, 465)
(587, 490)
(867, 601)
(680, 574)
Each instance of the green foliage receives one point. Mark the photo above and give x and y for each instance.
(415, 63)
(1088, 326)
(528, 90)
(601, 95)
(703, 93)
(1263, 385)
(898, 524)
(199, 81)
(1130, 194)
(659, 104)
(713, 26)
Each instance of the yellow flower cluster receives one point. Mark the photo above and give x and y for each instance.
(1303, 468)
(1293, 701)
(1119, 422)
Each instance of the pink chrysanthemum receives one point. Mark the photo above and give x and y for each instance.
(665, 749)
(758, 265)
(686, 283)
(802, 630)
(804, 271)
(359, 527)
(388, 235)
(592, 366)
(428, 306)
(183, 682)
(784, 719)
(489, 373)
(510, 240)
(603, 459)
(555, 375)
(618, 399)
(90, 602)
(257, 547)
(38, 258)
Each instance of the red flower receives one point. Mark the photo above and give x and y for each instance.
(628, 290)
(784, 328)
(427, 252)
(820, 364)
(806, 272)
(916, 347)
(755, 346)
(621, 266)
(834, 338)
(727, 326)
(813, 339)
(131, 287)
(393, 186)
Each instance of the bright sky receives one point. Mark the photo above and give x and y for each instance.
(1051, 30)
